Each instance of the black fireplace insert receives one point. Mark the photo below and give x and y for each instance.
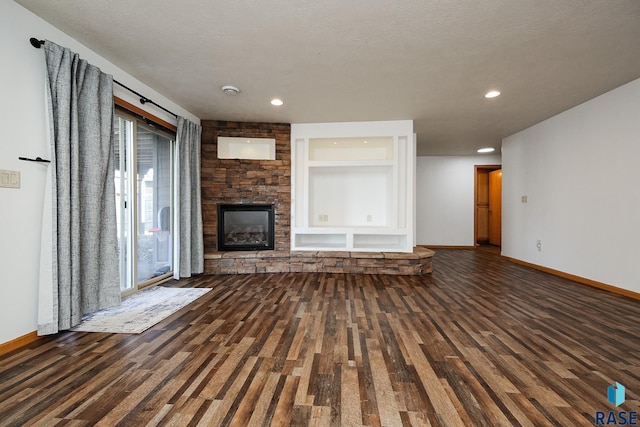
(246, 227)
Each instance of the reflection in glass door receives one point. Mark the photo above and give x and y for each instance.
(144, 191)
(153, 191)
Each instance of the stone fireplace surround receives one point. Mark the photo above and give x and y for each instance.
(269, 182)
(230, 181)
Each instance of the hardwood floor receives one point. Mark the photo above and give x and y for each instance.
(481, 341)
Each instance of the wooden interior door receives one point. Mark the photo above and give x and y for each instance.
(482, 206)
(495, 207)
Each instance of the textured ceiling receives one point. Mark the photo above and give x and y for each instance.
(334, 60)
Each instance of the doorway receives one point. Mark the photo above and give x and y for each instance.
(488, 205)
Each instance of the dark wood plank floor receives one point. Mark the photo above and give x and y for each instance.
(482, 341)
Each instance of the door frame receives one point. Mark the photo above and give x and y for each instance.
(477, 170)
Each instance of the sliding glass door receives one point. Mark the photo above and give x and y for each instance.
(144, 195)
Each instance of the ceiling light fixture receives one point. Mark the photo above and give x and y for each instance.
(230, 90)
(492, 94)
(486, 150)
(276, 102)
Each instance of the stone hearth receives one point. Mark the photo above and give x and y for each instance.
(248, 262)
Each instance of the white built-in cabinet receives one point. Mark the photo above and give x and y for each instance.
(353, 186)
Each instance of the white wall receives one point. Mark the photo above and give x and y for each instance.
(444, 198)
(581, 173)
(23, 134)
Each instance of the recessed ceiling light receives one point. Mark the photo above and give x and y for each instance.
(492, 94)
(230, 90)
(486, 150)
(276, 102)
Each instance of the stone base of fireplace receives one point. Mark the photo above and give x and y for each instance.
(250, 262)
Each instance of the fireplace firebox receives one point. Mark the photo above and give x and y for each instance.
(245, 227)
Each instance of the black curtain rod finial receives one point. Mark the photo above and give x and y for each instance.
(36, 43)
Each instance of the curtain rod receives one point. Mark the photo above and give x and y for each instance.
(143, 99)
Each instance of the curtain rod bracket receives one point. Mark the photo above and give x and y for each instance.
(36, 43)
(37, 159)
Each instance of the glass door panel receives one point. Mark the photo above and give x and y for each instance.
(144, 188)
(154, 177)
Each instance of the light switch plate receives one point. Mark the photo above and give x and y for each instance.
(9, 179)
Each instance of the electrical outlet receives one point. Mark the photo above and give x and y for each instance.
(524, 199)
(539, 245)
(369, 218)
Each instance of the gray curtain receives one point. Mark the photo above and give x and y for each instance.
(84, 266)
(190, 246)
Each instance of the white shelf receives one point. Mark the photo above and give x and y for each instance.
(379, 241)
(370, 242)
(320, 241)
(353, 148)
(349, 163)
(246, 148)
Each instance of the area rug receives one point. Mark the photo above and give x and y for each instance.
(140, 311)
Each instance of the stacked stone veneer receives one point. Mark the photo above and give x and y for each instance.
(246, 181)
(269, 182)
(416, 263)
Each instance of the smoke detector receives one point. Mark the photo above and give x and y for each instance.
(230, 90)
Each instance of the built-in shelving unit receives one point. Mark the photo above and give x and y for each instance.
(353, 186)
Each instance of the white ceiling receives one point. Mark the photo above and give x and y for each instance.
(351, 60)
